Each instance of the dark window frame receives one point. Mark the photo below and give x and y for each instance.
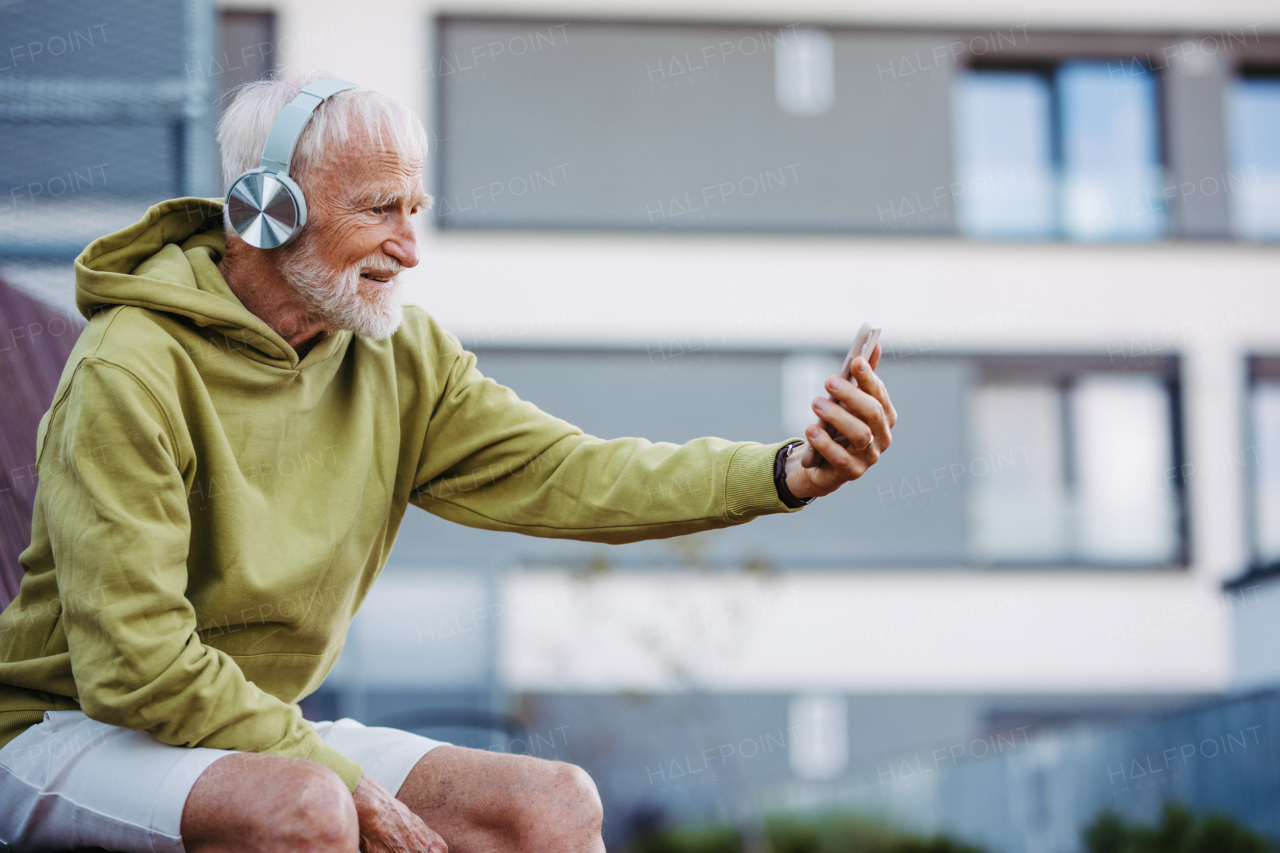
(1063, 370)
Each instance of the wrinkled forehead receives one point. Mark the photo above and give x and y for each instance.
(364, 167)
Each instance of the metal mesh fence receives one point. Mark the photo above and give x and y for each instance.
(1007, 792)
(105, 109)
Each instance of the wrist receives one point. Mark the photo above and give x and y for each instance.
(798, 479)
(368, 797)
(788, 477)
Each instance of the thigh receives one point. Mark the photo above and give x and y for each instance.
(74, 782)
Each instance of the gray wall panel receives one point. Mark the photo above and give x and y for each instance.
(1196, 189)
(678, 127)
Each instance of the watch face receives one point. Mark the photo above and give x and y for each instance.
(263, 211)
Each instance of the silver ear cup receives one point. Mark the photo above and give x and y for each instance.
(264, 211)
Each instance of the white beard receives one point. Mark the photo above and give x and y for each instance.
(340, 298)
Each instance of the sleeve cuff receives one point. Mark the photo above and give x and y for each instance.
(348, 771)
(749, 489)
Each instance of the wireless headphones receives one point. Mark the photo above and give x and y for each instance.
(265, 206)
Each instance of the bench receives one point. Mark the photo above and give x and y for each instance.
(35, 341)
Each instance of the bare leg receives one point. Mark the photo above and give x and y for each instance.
(485, 802)
(269, 803)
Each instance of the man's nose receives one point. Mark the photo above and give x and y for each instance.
(403, 245)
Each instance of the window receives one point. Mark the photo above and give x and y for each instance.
(1262, 456)
(1111, 176)
(1080, 464)
(1253, 138)
(1070, 150)
(804, 73)
(1019, 510)
(1004, 154)
(248, 48)
(820, 750)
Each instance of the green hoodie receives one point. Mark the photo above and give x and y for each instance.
(212, 509)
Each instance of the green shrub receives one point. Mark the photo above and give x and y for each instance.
(1178, 832)
(839, 832)
(708, 839)
(828, 833)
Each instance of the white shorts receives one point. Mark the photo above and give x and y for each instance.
(73, 782)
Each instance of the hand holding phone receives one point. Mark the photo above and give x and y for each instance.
(864, 343)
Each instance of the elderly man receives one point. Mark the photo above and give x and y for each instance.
(223, 470)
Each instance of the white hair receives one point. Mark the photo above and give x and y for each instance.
(354, 114)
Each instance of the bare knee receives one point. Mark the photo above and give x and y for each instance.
(272, 804)
(321, 815)
(583, 796)
(567, 815)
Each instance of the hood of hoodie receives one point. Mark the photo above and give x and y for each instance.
(167, 261)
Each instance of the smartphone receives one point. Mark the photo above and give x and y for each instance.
(864, 343)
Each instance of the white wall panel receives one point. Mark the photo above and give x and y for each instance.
(866, 633)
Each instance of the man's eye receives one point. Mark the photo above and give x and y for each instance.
(376, 209)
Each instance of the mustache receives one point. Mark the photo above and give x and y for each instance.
(378, 263)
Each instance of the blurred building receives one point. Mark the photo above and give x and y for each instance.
(668, 220)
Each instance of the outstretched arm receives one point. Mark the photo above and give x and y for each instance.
(494, 461)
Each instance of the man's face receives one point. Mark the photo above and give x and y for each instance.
(359, 235)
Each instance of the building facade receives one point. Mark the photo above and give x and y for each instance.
(668, 220)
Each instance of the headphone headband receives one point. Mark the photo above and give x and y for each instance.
(278, 151)
(264, 205)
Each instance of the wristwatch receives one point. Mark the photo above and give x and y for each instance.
(780, 478)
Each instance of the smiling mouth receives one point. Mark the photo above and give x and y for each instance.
(377, 276)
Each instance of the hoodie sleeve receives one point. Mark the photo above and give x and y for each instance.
(494, 461)
(112, 487)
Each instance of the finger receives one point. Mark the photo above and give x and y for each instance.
(875, 357)
(866, 388)
(423, 837)
(429, 840)
(864, 374)
(844, 465)
(863, 406)
(848, 426)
